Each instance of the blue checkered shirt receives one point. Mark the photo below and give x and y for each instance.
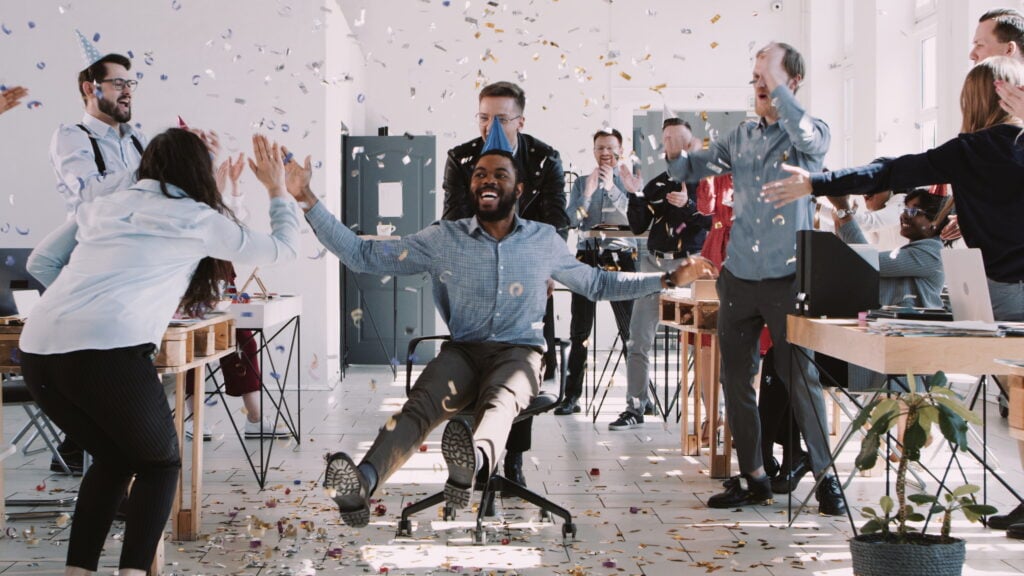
(486, 290)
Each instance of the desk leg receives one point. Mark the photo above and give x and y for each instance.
(185, 522)
(179, 427)
(690, 442)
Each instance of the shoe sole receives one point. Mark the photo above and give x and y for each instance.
(624, 426)
(748, 502)
(822, 512)
(460, 457)
(342, 477)
(267, 434)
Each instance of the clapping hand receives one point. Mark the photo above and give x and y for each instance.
(12, 97)
(297, 178)
(267, 166)
(694, 268)
(782, 192)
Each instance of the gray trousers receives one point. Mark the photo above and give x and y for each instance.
(1007, 300)
(745, 307)
(501, 379)
(643, 329)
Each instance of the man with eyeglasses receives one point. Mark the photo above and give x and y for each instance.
(100, 154)
(542, 200)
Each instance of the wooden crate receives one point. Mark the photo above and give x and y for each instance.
(10, 354)
(1016, 403)
(177, 349)
(205, 341)
(224, 335)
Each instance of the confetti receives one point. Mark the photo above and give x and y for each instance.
(9, 261)
(361, 98)
(41, 65)
(357, 316)
(716, 18)
(195, 80)
(714, 45)
(515, 289)
(22, 231)
(625, 76)
(779, 220)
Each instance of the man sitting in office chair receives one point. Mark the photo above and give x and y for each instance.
(490, 275)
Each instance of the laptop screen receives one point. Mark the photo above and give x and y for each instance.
(967, 285)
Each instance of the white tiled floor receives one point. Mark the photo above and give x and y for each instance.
(642, 513)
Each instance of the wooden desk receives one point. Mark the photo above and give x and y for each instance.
(1015, 399)
(184, 348)
(681, 311)
(844, 340)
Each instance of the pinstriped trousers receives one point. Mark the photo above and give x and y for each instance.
(112, 403)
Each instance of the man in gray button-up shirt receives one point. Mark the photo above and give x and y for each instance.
(756, 285)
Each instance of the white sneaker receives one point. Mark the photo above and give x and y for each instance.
(207, 434)
(264, 427)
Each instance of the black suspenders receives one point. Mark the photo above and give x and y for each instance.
(101, 165)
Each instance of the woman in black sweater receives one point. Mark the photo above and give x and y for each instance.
(984, 164)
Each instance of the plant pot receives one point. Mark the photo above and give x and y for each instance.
(923, 555)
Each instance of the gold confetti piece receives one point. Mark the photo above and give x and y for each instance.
(658, 88)
(62, 520)
(515, 289)
(716, 18)
(704, 115)
(714, 45)
(403, 255)
(645, 107)
(452, 388)
(626, 76)
(390, 424)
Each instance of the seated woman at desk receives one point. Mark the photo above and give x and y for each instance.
(88, 349)
(910, 275)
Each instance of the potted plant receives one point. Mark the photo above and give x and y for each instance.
(887, 545)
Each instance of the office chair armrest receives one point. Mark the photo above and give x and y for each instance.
(410, 354)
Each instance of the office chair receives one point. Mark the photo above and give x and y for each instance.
(543, 402)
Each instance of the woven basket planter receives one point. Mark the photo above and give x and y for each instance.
(926, 556)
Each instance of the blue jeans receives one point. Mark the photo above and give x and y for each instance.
(1007, 300)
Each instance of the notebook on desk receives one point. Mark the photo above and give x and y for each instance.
(967, 285)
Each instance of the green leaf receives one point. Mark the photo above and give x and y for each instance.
(938, 380)
(937, 509)
(868, 452)
(980, 509)
(927, 416)
(915, 517)
(953, 427)
(871, 526)
(868, 512)
(884, 407)
(913, 440)
(965, 490)
(886, 503)
(920, 499)
(959, 408)
(864, 414)
(943, 391)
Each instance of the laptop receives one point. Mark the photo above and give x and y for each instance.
(967, 285)
(25, 301)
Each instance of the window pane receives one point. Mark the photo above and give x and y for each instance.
(928, 73)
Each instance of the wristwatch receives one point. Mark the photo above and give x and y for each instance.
(846, 213)
(668, 280)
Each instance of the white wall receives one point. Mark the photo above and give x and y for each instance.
(259, 56)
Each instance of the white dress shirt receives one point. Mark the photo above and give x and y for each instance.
(137, 250)
(74, 161)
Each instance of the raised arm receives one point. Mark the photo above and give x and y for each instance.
(53, 253)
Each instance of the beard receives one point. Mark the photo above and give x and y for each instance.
(506, 203)
(111, 108)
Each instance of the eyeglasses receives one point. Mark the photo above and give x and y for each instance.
(485, 119)
(119, 83)
(913, 211)
(606, 149)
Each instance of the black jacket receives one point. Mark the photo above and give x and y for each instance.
(540, 169)
(652, 211)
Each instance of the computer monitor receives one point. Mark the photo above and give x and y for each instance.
(14, 276)
(832, 278)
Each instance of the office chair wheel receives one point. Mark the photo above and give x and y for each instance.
(479, 536)
(449, 513)
(545, 516)
(568, 531)
(405, 528)
(1004, 406)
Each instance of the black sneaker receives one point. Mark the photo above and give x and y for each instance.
(1016, 516)
(460, 457)
(742, 490)
(626, 421)
(830, 497)
(1015, 531)
(349, 489)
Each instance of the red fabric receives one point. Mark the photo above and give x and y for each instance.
(714, 196)
(766, 340)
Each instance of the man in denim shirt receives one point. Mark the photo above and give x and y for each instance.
(757, 284)
(489, 275)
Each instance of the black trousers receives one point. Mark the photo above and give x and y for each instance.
(584, 310)
(776, 428)
(112, 404)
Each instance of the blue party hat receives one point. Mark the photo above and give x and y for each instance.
(496, 139)
(89, 52)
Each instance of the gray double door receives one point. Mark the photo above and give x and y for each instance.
(388, 181)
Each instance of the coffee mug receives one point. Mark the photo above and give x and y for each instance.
(385, 229)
